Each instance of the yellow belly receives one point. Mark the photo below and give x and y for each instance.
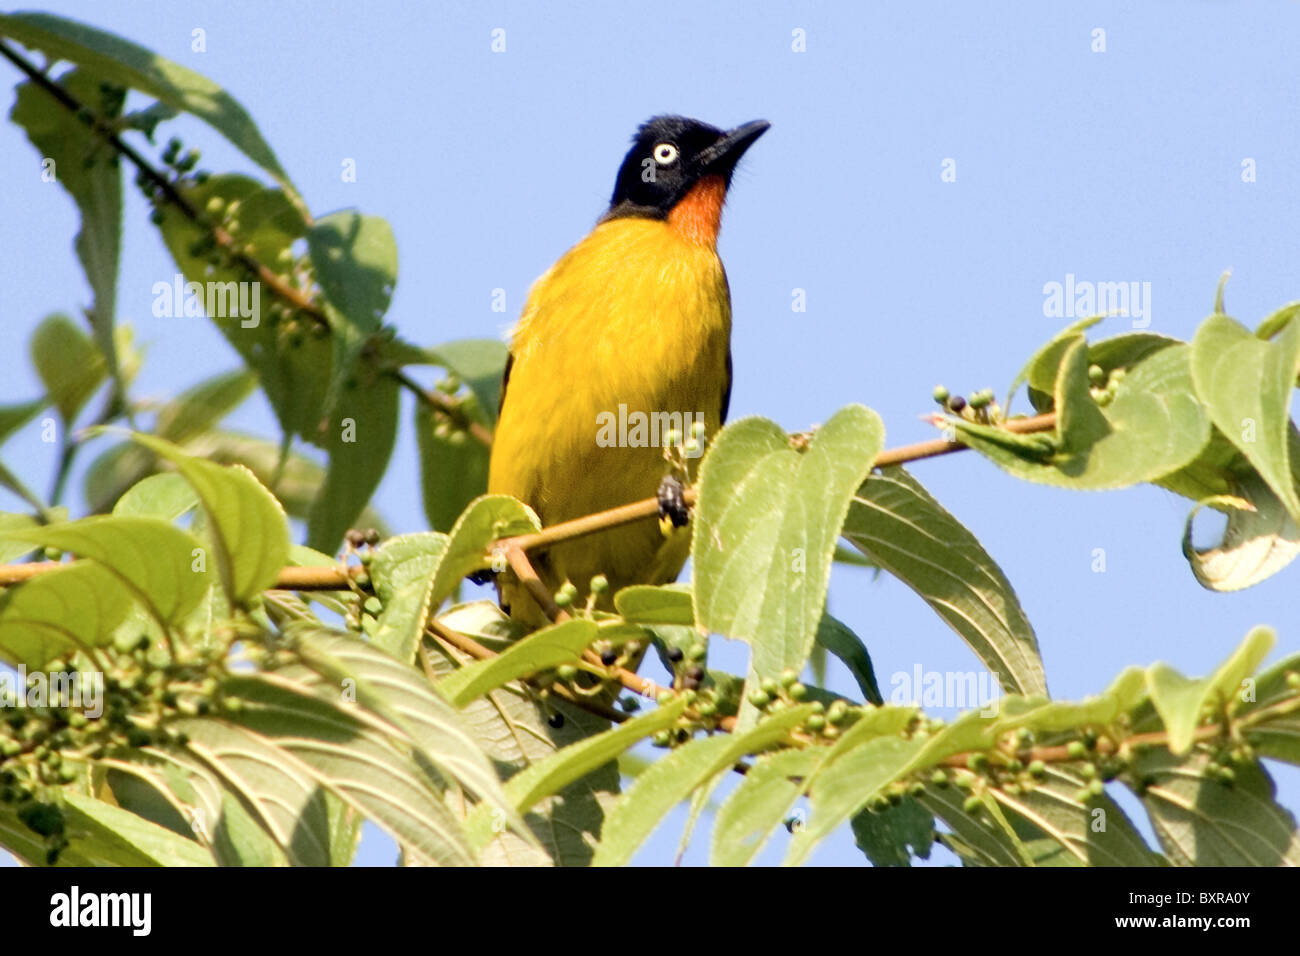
(630, 328)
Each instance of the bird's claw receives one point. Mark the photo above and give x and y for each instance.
(672, 503)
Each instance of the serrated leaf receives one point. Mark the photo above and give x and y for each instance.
(322, 742)
(399, 695)
(759, 804)
(486, 520)
(766, 523)
(895, 522)
(116, 837)
(76, 606)
(479, 363)
(671, 780)
(155, 560)
(550, 647)
(247, 523)
(1202, 822)
(571, 764)
(402, 570)
(165, 497)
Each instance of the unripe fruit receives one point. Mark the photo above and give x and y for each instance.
(1038, 769)
(789, 677)
(770, 687)
(599, 584)
(1076, 750)
(837, 712)
(797, 691)
(940, 394)
(759, 699)
(939, 778)
(566, 672)
(661, 739)
(815, 722)
(972, 805)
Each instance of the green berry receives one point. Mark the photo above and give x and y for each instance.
(977, 762)
(1096, 374)
(770, 687)
(599, 584)
(759, 699)
(1293, 679)
(797, 691)
(1076, 750)
(566, 672)
(665, 697)
(1038, 769)
(837, 712)
(816, 723)
(661, 739)
(940, 394)
(697, 652)
(972, 805)
(789, 677)
(939, 778)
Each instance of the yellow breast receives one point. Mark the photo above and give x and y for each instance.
(633, 321)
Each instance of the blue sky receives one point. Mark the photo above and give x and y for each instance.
(1123, 165)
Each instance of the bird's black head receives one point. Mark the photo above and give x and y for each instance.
(670, 155)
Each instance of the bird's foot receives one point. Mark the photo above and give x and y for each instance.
(672, 504)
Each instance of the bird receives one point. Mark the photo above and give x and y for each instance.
(632, 325)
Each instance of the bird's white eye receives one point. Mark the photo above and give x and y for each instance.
(665, 154)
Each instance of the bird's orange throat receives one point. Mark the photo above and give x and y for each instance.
(698, 214)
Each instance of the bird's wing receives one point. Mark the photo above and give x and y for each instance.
(510, 361)
(726, 389)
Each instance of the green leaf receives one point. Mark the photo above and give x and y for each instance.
(671, 780)
(486, 520)
(838, 638)
(479, 363)
(655, 604)
(247, 523)
(402, 570)
(198, 409)
(1279, 736)
(766, 524)
(570, 764)
(1246, 385)
(70, 365)
(1201, 822)
(517, 732)
(360, 442)
(155, 560)
(76, 606)
(542, 650)
(901, 528)
(363, 767)
(355, 257)
(111, 58)
(760, 803)
(292, 355)
(10, 551)
(240, 841)
(166, 497)
(893, 836)
(402, 698)
(1260, 539)
(85, 166)
(453, 467)
(1181, 701)
(1153, 426)
(120, 838)
(14, 417)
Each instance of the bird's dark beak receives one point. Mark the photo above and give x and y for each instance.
(721, 158)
